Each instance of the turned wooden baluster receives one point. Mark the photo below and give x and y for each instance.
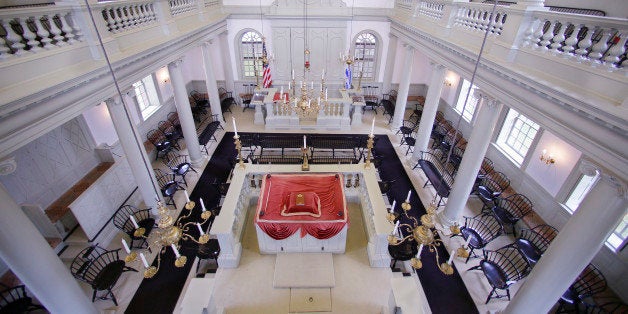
(28, 35)
(616, 51)
(584, 44)
(597, 51)
(14, 41)
(557, 40)
(571, 42)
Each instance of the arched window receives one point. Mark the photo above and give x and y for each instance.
(365, 54)
(250, 48)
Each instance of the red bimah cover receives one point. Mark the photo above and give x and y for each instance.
(314, 203)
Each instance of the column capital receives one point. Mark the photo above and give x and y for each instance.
(208, 43)
(176, 63)
(114, 100)
(588, 168)
(8, 166)
(436, 66)
(487, 100)
(615, 183)
(408, 46)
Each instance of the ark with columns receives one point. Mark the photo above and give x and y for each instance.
(84, 82)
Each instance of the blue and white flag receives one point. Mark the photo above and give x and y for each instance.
(348, 77)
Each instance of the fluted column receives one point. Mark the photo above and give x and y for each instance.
(404, 87)
(574, 247)
(30, 258)
(430, 107)
(210, 81)
(472, 158)
(134, 150)
(185, 112)
(226, 62)
(390, 63)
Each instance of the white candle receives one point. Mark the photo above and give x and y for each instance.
(293, 74)
(396, 228)
(187, 197)
(304, 144)
(235, 129)
(126, 247)
(309, 103)
(408, 198)
(392, 207)
(323, 75)
(418, 254)
(372, 126)
(200, 230)
(176, 252)
(285, 98)
(325, 94)
(451, 256)
(202, 205)
(134, 222)
(290, 85)
(321, 86)
(319, 102)
(466, 244)
(312, 85)
(281, 92)
(144, 260)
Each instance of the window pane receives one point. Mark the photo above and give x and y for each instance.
(584, 185)
(517, 135)
(468, 111)
(365, 53)
(250, 49)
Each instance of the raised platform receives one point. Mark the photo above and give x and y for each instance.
(304, 270)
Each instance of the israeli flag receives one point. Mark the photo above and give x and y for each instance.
(348, 77)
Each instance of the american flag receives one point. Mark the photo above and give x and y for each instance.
(267, 78)
(348, 77)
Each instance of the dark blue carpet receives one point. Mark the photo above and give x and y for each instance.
(445, 294)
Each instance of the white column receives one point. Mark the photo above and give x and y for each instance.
(472, 158)
(185, 112)
(210, 82)
(574, 247)
(31, 258)
(430, 107)
(404, 87)
(134, 151)
(390, 62)
(226, 62)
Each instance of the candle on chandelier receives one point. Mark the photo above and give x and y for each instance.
(451, 257)
(235, 129)
(372, 126)
(285, 98)
(144, 260)
(309, 103)
(200, 230)
(408, 197)
(281, 92)
(396, 228)
(176, 252)
(319, 101)
(134, 222)
(202, 205)
(321, 86)
(418, 254)
(290, 85)
(293, 74)
(304, 143)
(325, 94)
(392, 207)
(187, 197)
(126, 246)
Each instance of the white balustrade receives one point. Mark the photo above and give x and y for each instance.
(430, 9)
(32, 30)
(404, 4)
(123, 17)
(181, 6)
(479, 17)
(211, 3)
(585, 39)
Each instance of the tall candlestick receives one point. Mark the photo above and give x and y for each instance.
(176, 252)
(200, 230)
(144, 260)
(235, 128)
(126, 246)
(451, 256)
(304, 144)
(134, 222)
(187, 197)
(202, 205)
(372, 126)
(408, 198)
(418, 254)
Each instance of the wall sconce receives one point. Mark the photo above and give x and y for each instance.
(163, 76)
(547, 158)
(448, 82)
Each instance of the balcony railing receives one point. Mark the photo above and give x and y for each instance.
(123, 17)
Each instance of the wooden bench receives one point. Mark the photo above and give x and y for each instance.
(437, 174)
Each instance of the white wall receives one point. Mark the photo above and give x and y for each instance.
(100, 125)
(551, 177)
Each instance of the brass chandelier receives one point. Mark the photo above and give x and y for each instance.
(168, 234)
(424, 234)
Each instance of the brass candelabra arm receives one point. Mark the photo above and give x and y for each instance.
(190, 205)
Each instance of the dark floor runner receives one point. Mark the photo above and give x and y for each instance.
(445, 294)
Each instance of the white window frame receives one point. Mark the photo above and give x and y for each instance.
(250, 49)
(146, 97)
(516, 124)
(365, 53)
(472, 102)
(619, 237)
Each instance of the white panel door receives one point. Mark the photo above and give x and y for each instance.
(336, 43)
(317, 40)
(281, 47)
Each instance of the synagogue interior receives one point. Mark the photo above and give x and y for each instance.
(313, 156)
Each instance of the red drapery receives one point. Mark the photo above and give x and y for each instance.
(333, 206)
